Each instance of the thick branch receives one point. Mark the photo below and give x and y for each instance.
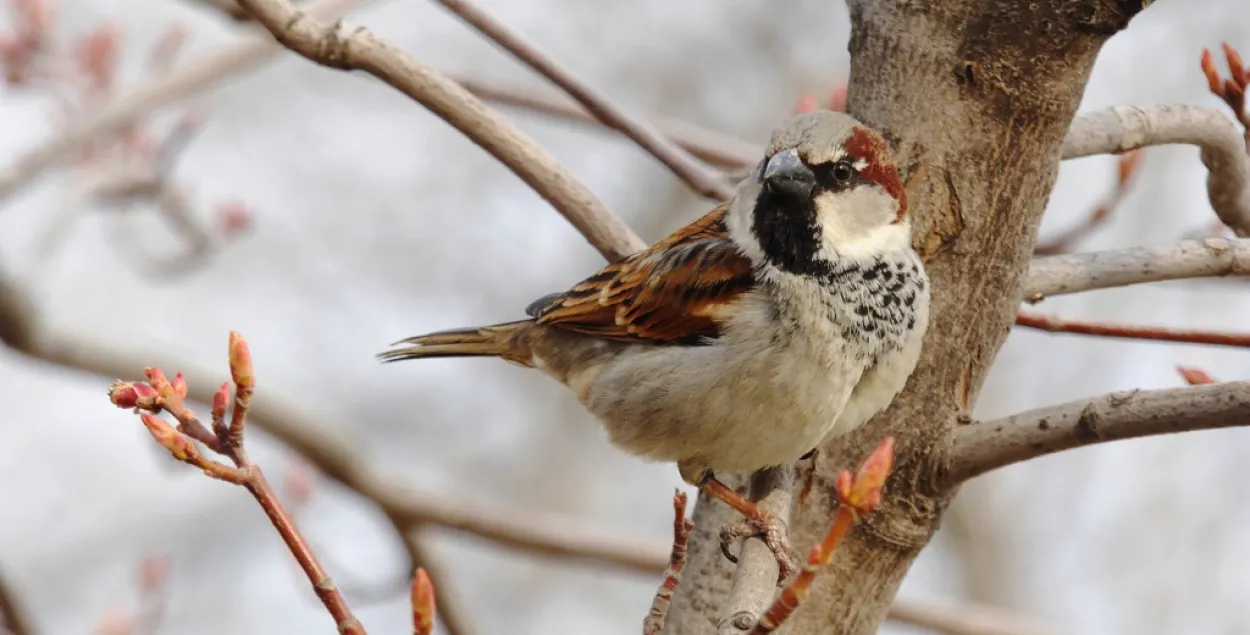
(1124, 128)
(988, 445)
(1203, 258)
(337, 46)
(699, 177)
(130, 109)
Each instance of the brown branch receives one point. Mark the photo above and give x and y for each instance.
(1123, 128)
(336, 46)
(717, 148)
(1054, 324)
(128, 110)
(857, 495)
(755, 577)
(13, 620)
(966, 619)
(698, 176)
(169, 397)
(1202, 258)
(988, 445)
(654, 622)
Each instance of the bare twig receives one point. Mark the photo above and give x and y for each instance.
(179, 441)
(755, 579)
(857, 495)
(337, 46)
(967, 619)
(1202, 258)
(988, 445)
(654, 622)
(698, 176)
(1054, 324)
(1125, 169)
(13, 619)
(1123, 128)
(717, 148)
(130, 109)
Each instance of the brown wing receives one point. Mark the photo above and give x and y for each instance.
(678, 290)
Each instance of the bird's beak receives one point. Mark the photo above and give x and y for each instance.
(785, 174)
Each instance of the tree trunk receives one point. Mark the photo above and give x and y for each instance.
(975, 97)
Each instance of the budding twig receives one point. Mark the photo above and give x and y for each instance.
(1054, 324)
(158, 394)
(1126, 168)
(654, 623)
(857, 495)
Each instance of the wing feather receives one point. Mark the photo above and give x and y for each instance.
(680, 289)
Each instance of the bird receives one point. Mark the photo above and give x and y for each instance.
(781, 319)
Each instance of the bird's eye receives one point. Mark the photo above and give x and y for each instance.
(842, 172)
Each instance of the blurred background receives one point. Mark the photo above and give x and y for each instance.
(335, 216)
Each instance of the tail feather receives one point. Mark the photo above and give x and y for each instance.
(498, 340)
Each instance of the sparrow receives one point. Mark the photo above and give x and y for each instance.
(781, 319)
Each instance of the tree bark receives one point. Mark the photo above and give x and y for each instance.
(975, 97)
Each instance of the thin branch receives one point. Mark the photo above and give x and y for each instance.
(654, 622)
(966, 619)
(13, 620)
(1202, 258)
(336, 46)
(988, 445)
(717, 148)
(1123, 128)
(755, 578)
(1126, 168)
(159, 395)
(128, 110)
(698, 176)
(1052, 324)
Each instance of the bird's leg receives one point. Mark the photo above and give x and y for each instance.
(809, 475)
(758, 522)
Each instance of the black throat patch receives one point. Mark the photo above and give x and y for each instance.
(787, 233)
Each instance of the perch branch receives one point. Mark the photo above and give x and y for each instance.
(987, 445)
(1201, 258)
(755, 578)
(340, 47)
(1054, 324)
(857, 495)
(699, 177)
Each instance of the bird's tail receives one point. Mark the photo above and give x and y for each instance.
(499, 340)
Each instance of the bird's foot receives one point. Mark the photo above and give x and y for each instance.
(769, 529)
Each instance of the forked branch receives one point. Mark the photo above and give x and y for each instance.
(337, 46)
(225, 437)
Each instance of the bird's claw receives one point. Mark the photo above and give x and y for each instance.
(772, 532)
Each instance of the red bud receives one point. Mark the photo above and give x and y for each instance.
(240, 362)
(180, 386)
(423, 608)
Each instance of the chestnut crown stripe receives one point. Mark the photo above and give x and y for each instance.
(869, 146)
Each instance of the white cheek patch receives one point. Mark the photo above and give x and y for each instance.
(857, 222)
